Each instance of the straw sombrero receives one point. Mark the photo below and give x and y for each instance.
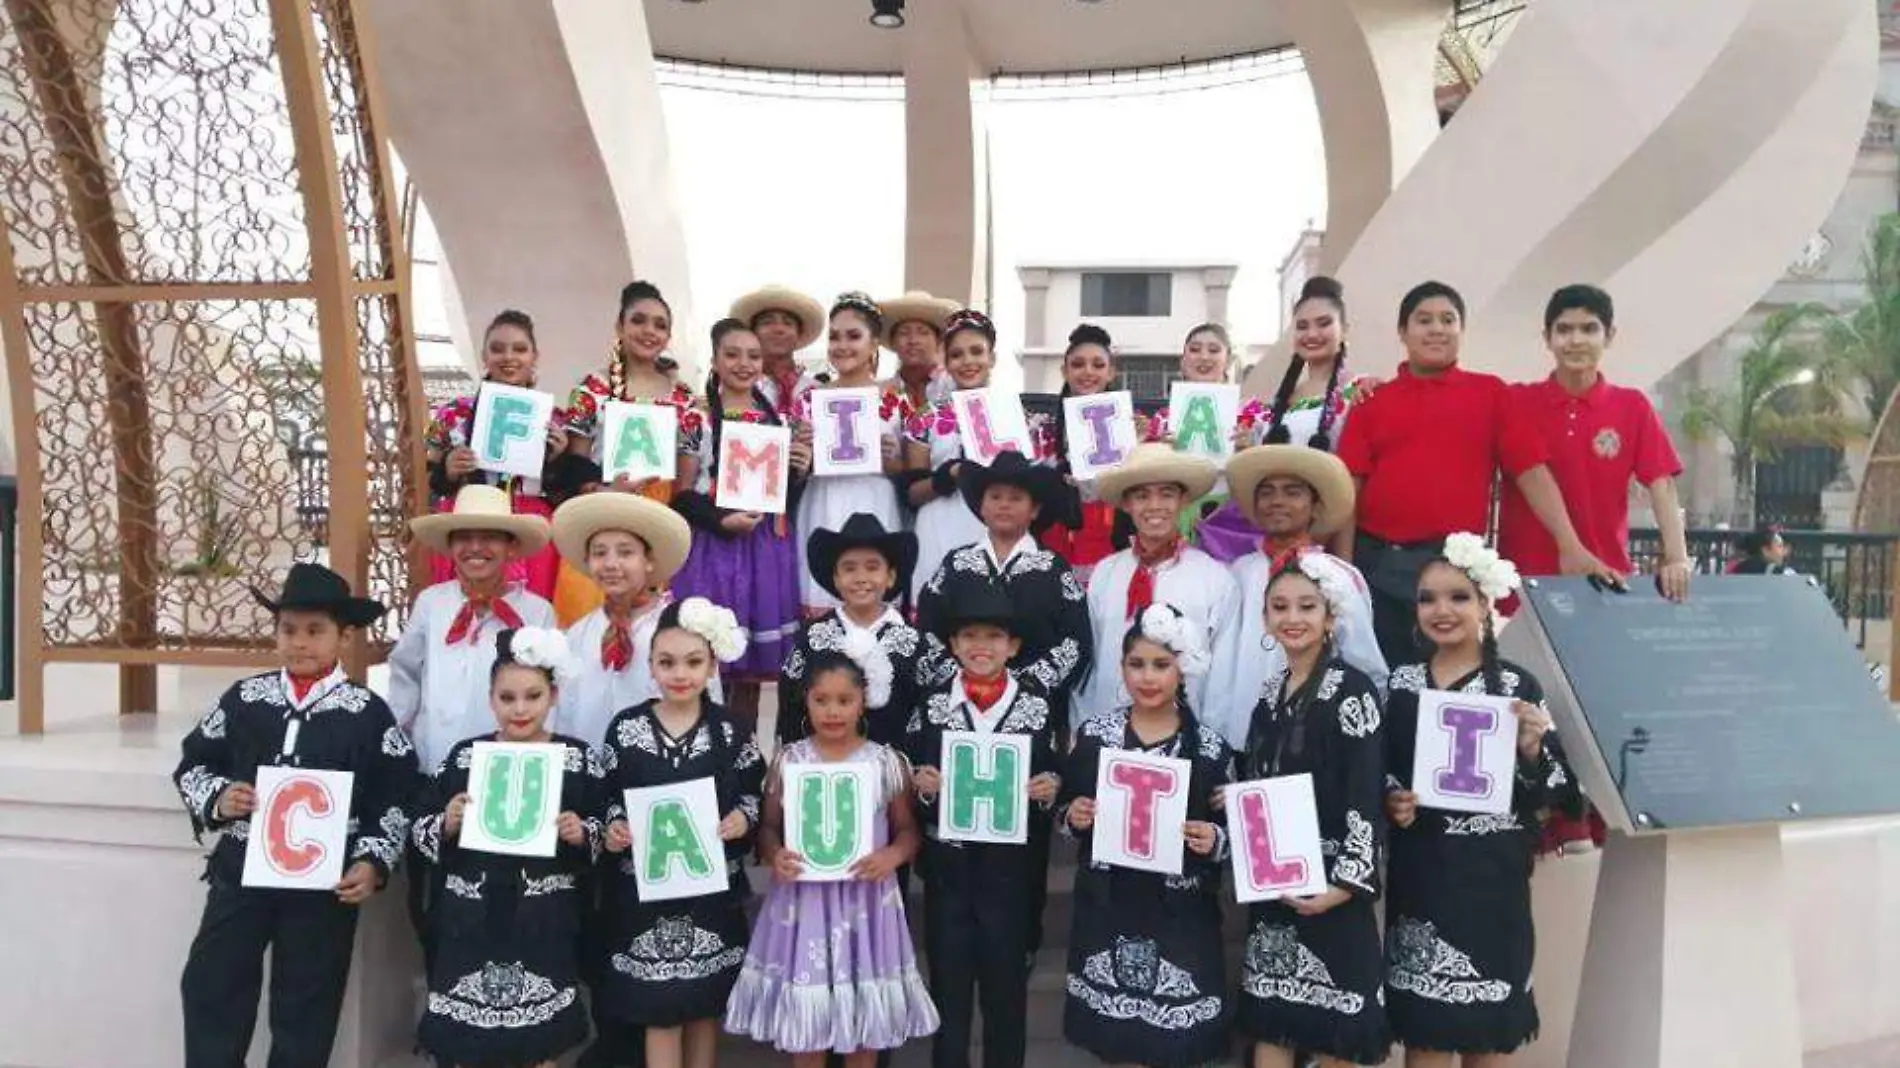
(915, 306)
(1157, 462)
(1320, 469)
(481, 507)
(809, 313)
(667, 537)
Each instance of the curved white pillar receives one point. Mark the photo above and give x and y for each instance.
(536, 136)
(1678, 153)
(945, 240)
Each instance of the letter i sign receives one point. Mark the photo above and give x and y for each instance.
(1466, 756)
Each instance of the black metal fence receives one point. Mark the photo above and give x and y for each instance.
(1855, 569)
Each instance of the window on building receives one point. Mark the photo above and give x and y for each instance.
(1148, 377)
(1127, 294)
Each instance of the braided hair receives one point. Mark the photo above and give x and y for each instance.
(1321, 288)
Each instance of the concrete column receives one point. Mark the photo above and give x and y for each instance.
(1373, 68)
(946, 239)
(1218, 283)
(1035, 282)
(535, 134)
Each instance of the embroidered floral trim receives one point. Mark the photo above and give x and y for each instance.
(1128, 981)
(676, 949)
(396, 743)
(1483, 824)
(1359, 716)
(502, 996)
(200, 788)
(1278, 968)
(1355, 863)
(464, 888)
(1421, 963)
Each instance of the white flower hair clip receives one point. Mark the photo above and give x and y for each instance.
(547, 649)
(1334, 588)
(1164, 624)
(863, 650)
(717, 625)
(1495, 577)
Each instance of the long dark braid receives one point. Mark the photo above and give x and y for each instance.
(1322, 438)
(1277, 433)
(1493, 673)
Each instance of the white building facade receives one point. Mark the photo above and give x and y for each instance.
(1148, 310)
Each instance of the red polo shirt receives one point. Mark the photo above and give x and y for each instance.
(1427, 450)
(1598, 443)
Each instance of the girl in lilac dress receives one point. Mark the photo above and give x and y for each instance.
(831, 968)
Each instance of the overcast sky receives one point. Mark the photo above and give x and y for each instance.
(809, 191)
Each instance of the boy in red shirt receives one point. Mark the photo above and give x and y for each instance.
(1425, 450)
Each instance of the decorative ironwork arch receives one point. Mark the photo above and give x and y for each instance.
(202, 265)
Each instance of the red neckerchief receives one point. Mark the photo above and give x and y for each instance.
(1281, 553)
(616, 646)
(1141, 588)
(984, 693)
(467, 623)
(301, 685)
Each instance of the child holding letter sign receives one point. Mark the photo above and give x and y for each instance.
(673, 962)
(1458, 915)
(856, 324)
(831, 969)
(743, 560)
(504, 983)
(1311, 976)
(982, 871)
(1147, 975)
(307, 714)
(509, 356)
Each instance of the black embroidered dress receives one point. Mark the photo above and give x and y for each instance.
(1459, 938)
(1147, 979)
(504, 988)
(672, 962)
(1316, 983)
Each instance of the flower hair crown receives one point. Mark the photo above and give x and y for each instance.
(1164, 625)
(544, 648)
(1334, 587)
(1494, 576)
(717, 625)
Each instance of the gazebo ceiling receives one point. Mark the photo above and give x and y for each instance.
(1016, 36)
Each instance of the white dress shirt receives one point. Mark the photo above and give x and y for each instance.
(591, 701)
(1193, 582)
(438, 691)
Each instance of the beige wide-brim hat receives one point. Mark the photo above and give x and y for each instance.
(1320, 469)
(1153, 463)
(667, 537)
(481, 507)
(915, 306)
(809, 313)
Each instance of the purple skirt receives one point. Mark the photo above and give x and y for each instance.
(831, 969)
(756, 576)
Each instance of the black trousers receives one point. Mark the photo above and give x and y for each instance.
(980, 904)
(1395, 627)
(310, 935)
(1392, 571)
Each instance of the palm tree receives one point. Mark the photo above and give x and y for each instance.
(1783, 394)
(1865, 340)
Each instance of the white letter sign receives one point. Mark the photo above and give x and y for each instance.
(676, 848)
(985, 788)
(755, 467)
(1141, 804)
(1273, 831)
(299, 829)
(1201, 418)
(846, 432)
(991, 422)
(510, 435)
(514, 797)
(639, 441)
(1100, 430)
(1466, 759)
(828, 810)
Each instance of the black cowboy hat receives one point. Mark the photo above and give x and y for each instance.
(1043, 484)
(861, 531)
(976, 601)
(315, 588)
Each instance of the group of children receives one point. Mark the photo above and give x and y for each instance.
(643, 660)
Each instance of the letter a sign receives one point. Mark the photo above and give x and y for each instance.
(1140, 811)
(1274, 827)
(639, 441)
(676, 840)
(299, 829)
(985, 788)
(514, 795)
(1466, 760)
(828, 811)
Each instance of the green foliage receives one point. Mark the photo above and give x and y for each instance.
(1864, 341)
